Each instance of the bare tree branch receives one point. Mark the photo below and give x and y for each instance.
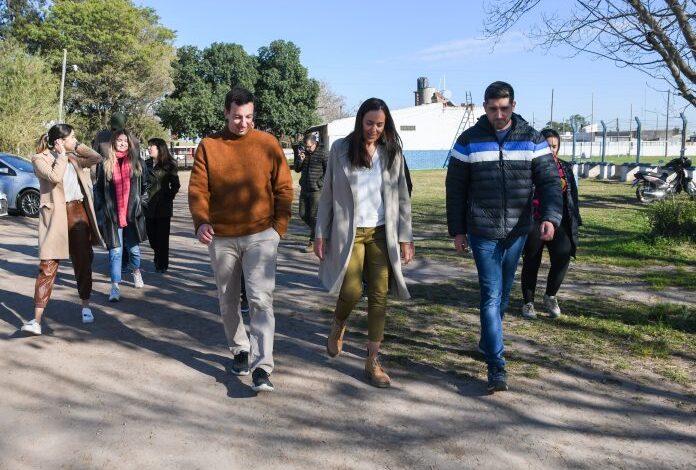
(654, 36)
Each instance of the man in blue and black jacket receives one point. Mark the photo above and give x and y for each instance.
(493, 170)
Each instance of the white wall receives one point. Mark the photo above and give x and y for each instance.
(435, 124)
(647, 149)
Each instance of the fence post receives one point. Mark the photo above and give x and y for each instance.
(638, 139)
(683, 139)
(604, 139)
(573, 130)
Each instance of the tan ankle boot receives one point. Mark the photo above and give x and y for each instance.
(374, 372)
(334, 343)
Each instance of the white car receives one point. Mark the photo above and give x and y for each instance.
(3, 203)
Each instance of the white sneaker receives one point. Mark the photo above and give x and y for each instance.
(32, 327)
(138, 279)
(528, 311)
(551, 305)
(115, 293)
(87, 316)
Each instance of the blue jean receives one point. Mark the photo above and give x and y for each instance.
(128, 238)
(496, 262)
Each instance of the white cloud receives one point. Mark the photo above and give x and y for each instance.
(468, 47)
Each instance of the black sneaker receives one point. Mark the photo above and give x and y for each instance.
(244, 305)
(240, 363)
(262, 382)
(497, 379)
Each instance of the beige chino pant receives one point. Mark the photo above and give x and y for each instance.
(256, 256)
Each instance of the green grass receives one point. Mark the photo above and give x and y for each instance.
(439, 327)
(614, 230)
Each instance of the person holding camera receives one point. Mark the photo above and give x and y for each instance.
(310, 160)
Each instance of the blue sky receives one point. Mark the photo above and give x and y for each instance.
(371, 48)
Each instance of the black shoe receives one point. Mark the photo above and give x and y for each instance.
(497, 379)
(244, 305)
(262, 381)
(240, 363)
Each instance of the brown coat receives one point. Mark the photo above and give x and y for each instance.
(53, 215)
(336, 217)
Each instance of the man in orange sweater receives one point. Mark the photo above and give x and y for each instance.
(240, 195)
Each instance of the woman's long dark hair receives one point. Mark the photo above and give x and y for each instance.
(357, 151)
(48, 140)
(164, 158)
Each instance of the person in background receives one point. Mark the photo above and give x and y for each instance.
(364, 222)
(67, 220)
(310, 161)
(120, 194)
(563, 245)
(162, 188)
(101, 143)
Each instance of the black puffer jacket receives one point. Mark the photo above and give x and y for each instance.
(490, 184)
(313, 168)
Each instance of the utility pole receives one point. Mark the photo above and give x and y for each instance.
(551, 107)
(62, 86)
(667, 125)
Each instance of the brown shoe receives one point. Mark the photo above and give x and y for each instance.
(309, 248)
(334, 343)
(375, 374)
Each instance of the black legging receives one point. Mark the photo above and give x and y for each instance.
(559, 252)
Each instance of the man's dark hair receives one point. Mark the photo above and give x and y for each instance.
(548, 132)
(239, 96)
(309, 138)
(497, 90)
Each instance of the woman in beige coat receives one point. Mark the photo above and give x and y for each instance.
(67, 222)
(364, 220)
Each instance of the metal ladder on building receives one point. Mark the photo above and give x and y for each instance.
(466, 122)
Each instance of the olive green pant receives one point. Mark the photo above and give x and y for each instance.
(369, 253)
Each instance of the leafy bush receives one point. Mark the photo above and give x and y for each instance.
(673, 219)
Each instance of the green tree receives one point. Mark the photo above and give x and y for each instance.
(15, 15)
(559, 126)
(287, 97)
(28, 98)
(121, 55)
(201, 81)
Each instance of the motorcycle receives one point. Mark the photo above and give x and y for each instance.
(658, 185)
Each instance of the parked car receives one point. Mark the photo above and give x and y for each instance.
(3, 203)
(20, 184)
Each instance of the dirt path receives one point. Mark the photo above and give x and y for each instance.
(145, 386)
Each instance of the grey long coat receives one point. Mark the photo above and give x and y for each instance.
(336, 217)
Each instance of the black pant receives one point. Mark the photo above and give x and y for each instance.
(309, 204)
(559, 252)
(158, 236)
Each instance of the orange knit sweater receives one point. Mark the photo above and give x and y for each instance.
(240, 185)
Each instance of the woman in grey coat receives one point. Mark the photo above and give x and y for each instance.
(364, 220)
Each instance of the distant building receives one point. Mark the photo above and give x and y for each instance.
(428, 129)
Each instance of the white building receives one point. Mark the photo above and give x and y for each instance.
(428, 131)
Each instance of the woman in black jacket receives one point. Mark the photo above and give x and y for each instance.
(561, 247)
(164, 184)
(120, 193)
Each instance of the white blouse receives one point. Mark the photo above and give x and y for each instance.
(71, 186)
(370, 205)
